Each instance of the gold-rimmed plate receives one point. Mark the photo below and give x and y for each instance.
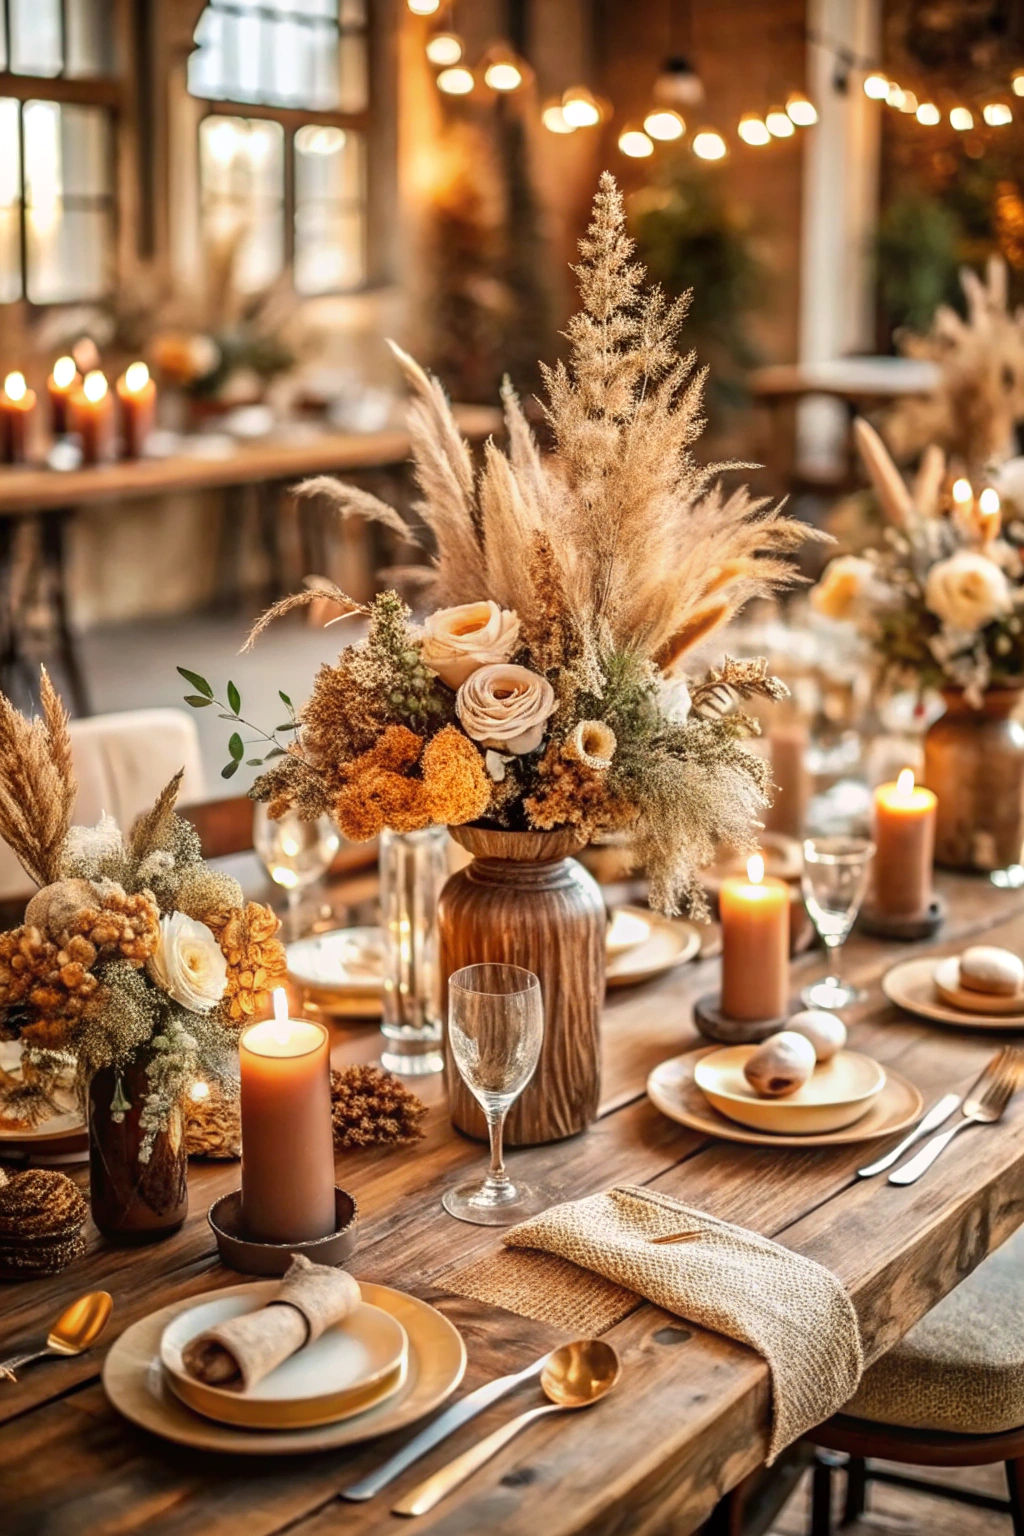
(340, 972)
(837, 1093)
(668, 942)
(672, 1089)
(911, 985)
(135, 1383)
(351, 1366)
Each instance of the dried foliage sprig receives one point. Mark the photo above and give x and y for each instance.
(37, 783)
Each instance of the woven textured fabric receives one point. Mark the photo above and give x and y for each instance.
(961, 1368)
(792, 1311)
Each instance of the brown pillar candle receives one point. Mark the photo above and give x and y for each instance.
(287, 1138)
(754, 914)
(17, 403)
(904, 847)
(59, 386)
(91, 415)
(137, 395)
(788, 747)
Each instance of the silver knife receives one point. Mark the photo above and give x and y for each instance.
(931, 1122)
(452, 1419)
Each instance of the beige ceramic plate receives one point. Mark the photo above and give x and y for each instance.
(671, 941)
(671, 1089)
(911, 985)
(340, 972)
(134, 1380)
(836, 1094)
(61, 1132)
(947, 985)
(350, 1367)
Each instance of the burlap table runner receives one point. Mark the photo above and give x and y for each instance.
(598, 1257)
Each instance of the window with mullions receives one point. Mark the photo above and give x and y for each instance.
(282, 53)
(67, 38)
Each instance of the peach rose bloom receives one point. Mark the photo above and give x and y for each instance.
(505, 708)
(456, 641)
(967, 591)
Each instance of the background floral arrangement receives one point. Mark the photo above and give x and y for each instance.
(941, 602)
(129, 942)
(543, 691)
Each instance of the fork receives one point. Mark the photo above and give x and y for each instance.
(984, 1105)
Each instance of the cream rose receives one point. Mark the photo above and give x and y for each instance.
(505, 708)
(457, 641)
(845, 584)
(967, 591)
(188, 964)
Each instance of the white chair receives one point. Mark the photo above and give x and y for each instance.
(122, 762)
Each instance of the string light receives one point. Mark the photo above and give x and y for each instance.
(961, 119)
(877, 87)
(635, 143)
(928, 114)
(779, 123)
(908, 103)
(444, 49)
(555, 120)
(752, 130)
(1018, 82)
(502, 70)
(893, 96)
(997, 114)
(665, 125)
(709, 145)
(801, 111)
(579, 107)
(456, 82)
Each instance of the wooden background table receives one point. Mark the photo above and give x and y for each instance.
(689, 1418)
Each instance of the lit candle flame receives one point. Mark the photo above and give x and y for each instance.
(136, 378)
(905, 782)
(962, 490)
(199, 1091)
(64, 370)
(282, 1024)
(15, 387)
(755, 869)
(95, 386)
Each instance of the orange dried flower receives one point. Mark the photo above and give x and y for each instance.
(456, 786)
(453, 787)
(256, 960)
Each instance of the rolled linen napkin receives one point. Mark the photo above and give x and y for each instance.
(239, 1353)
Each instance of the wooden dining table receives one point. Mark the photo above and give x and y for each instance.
(689, 1418)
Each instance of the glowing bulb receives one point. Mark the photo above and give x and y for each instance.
(282, 1024)
(905, 782)
(755, 869)
(15, 387)
(908, 102)
(503, 76)
(555, 120)
(444, 49)
(803, 112)
(988, 501)
(579, 107)
(997, 114)
(136, 377)
(424, 7)
(709, 145)
(199, 1091)
(94, 386)
(877, 87)
(283, 876)
(962, 491)
(635, 143)
(64, 370)
(1018, 82)
(961, 119)
(664, 125)
(779, 123)
(752, 130)
(894, 96)
(928, 114)
(456, 82)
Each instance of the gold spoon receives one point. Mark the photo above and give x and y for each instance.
(575, 1376)
(76, 1330)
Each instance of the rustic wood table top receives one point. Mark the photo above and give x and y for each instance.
(689, 1417)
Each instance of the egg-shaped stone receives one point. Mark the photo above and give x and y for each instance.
(825, 1032)
(780, 1065)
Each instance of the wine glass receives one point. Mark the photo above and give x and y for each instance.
(495, 1029)
(835, 877)
(296, 853)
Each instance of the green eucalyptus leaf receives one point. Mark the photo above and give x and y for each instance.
(284, 698)
(236, 747)
(234, 698)
(226, 773)
(197, 700)
(254, 762)
(275, 752)
(199, 683)
(289, 725)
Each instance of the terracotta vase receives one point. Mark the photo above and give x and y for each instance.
(974, 762)
(525, 901)
(134, 1201)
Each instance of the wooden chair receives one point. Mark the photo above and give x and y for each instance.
(951, 1394)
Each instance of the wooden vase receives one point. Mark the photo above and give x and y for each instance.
(525, 901)
(974, 762)
(134, 1201)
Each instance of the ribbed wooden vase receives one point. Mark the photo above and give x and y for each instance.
(974, 761)
(525, 901)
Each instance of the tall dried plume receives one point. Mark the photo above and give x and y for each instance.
(37, 783)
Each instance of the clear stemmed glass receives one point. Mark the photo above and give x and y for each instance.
(835, 878)
(495, 1029)
(296, 854)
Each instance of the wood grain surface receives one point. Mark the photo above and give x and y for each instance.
(688, 1419)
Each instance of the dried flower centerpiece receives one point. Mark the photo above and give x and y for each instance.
(544, 691)
(133, 949)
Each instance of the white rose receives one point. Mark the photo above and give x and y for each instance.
(967, 591)
(456, 641)
(188, 964)
(846, 583)
(505, 708)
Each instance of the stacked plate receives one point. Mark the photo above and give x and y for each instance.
(931, 988)
(342, 972)
(61, 1137)
(383, 1367)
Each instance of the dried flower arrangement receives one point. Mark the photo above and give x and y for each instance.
(129, 941)
(942, 601)
(544, 690)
